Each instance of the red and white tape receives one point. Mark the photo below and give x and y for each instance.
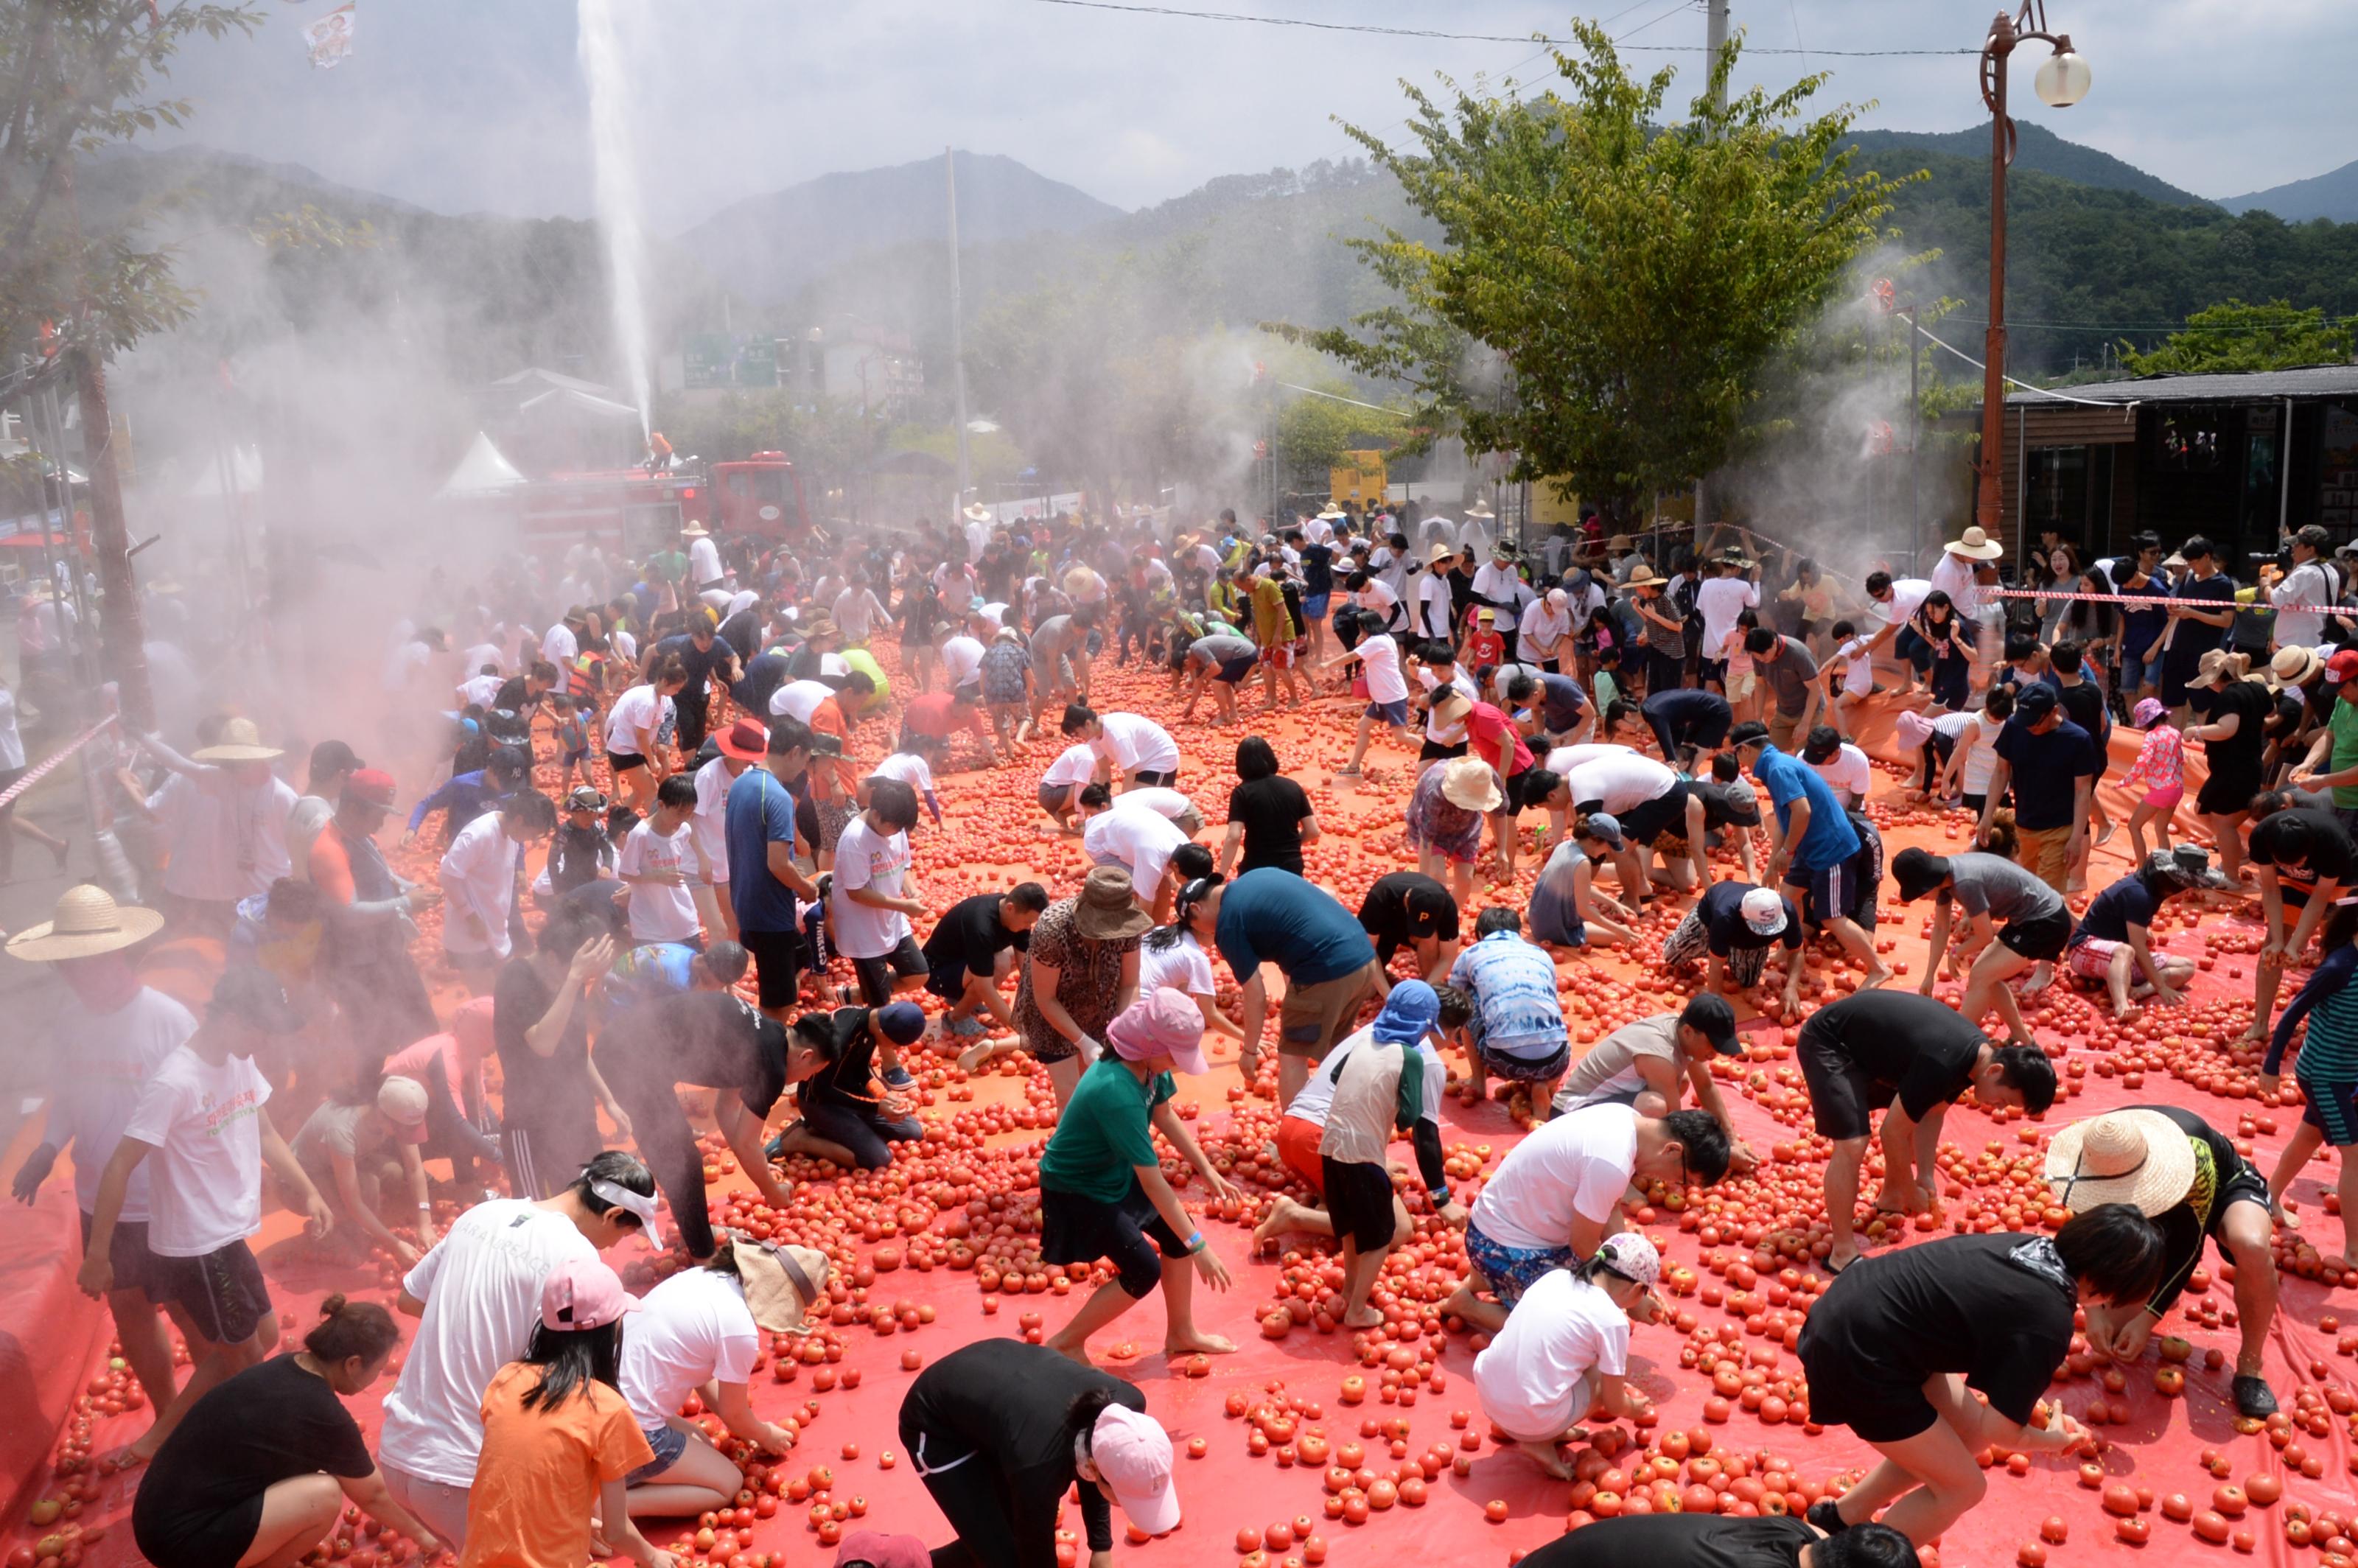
(2155, 600)
(50, 764)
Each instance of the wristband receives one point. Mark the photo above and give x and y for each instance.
(1440, 1197)
(1195, 1243)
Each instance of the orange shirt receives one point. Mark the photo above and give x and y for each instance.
(331, 865)
(540, 1472)
(830, 778)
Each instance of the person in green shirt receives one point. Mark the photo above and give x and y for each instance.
(2332, 761)
(1103, 1191)
(668, 566)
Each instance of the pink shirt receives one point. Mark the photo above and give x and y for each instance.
(2160, 762)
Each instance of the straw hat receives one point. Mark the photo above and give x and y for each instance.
(1618, 541)
(240, 742)
(1439, 553)
(2138, 1157)
(1333, 514)
(1107, 908)
(1452, 705)
(977, 512)
(1481, 509)
(782, 1283)
(2217, 665)
(823, 627)
(2293, 666)
(1470, 784)
(84, 923)
(1975, 546)
(1643, 577)
(695, 531)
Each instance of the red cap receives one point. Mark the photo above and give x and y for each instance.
(373, 786)
(2342, 670)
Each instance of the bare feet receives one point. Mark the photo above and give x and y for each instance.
(1877, 978)
(1549, 1457)
(1365, 1317)
(1196, 1342)
(1283, 1217)
(2283, 1215)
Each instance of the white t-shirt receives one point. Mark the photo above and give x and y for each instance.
(639, 709)
(857, 611)
(1858, 673)
(1141, 839)
(867, 858)
(1184, 966)
(711, 819)
(1163, 802)
(1380, 657)
(798, 699)
(12, 739)
(480, 1285)
(481, 690)
(201, 1119)
(478, 874)
(1847, 772)
(114, 1055)
(1622, 783)
(402, 669)
(1136, 745)
(693, 1327)
(1076, 765)
(703, 562)
(910, 769)
(558, 644)
(1720, 601)
(961, 661)
(1561, 1336)
(658, 912)
(1907, 594)
(1316, 1095)
(1576, 1164)
(1981, 763)
(1379, 597)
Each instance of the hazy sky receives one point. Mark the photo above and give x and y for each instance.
(479, 105)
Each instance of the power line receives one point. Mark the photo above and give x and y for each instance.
(1379, 31)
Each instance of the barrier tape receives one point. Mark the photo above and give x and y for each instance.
(2160, 601)
(48, 764)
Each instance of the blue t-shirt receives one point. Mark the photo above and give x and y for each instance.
(1270, 915)
(2044, 771)
(647, 971)
(760, 813)
(1562, 701)
(2126, 903)
(1831, 838)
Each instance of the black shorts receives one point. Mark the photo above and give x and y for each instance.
(211, 1538)
(947, 981)
(2043, 938)
(1076, 1229)
(1844, 1393)
(1147, 778)
(134, 1266)
(222, 1291)
(1644, 823)
(777, 965)
(1359, 1202)
(876, 975)
(1827, 891)
(1842, 1096)
(1434, 751)
(2228, 791)
(624, 761)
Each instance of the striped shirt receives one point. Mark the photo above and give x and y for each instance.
(2330, 1002)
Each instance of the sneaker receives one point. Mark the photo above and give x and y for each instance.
(898, 1077)
(2253, 1398)
(1826, 1516)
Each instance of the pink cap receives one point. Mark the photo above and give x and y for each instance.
(582, 1292)
(1132, 1451)
(1164, 1022)
(471, 1027)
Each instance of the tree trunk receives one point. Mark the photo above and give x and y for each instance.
(123, 654)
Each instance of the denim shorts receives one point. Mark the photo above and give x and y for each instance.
(669, 1442)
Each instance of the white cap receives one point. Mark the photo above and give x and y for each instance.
(1764, 911)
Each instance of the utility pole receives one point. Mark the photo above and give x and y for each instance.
(1715, 41)
(124, 651)
(957, 330)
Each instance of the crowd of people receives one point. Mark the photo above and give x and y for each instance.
(720, 892)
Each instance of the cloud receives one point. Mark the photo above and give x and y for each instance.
(460, 105)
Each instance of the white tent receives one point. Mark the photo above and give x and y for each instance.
(240, 475)
(482, 472)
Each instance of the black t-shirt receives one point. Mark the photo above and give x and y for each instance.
(1409, 906)
(2111, 913)
(1959, 1303)
(539, 1091)
(2195, 638)
(1273, 810)
(1685, 705)
(595, 902)
(1721, 909)
(742, 632)
(1911, 1045)
(713, 1040)
(2289, 714)
(970, 936)
(577, 855)
(2332, 856)
(700, 662)
(267, 1424)
(848, 1079)
(764, 674)
(2251, 702)
(2084, 705)
(1317, 570)
(1679, 1540)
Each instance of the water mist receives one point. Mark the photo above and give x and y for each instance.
(614, 144)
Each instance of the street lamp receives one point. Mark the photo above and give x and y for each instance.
(2062, 81)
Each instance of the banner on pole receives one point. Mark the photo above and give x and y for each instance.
(330, 39)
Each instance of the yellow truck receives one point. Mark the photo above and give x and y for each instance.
(1362, 481)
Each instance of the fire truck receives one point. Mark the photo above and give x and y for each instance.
(635, 513)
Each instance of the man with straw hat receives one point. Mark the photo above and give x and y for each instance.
(2186, 1176)
(1958, 573)
(117, 1032)
(223, 815)
(703, 1326)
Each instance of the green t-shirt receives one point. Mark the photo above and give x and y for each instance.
(1104, 1136)
(668, 566)
(2344, 728)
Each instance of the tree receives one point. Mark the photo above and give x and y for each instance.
(2234, 337)
(76, 74)
(1630, 282)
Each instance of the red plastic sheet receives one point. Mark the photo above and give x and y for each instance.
(853, 1429)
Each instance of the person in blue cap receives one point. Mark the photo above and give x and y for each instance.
(848, 1118)
(1377, 1083)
